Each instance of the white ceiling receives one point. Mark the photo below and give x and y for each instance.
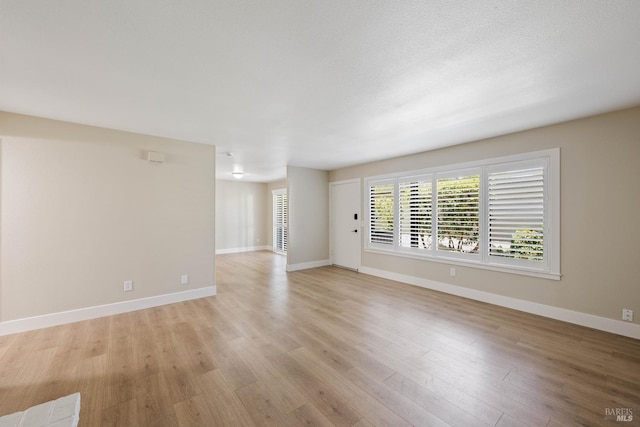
(318, 83)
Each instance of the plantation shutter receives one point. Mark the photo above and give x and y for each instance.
(415, 218)
(381, 213)
(458, 207)
(516, 210)
(280, 207)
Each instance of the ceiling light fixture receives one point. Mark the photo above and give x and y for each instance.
(237, 175)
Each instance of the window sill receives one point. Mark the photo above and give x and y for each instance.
(463, 263)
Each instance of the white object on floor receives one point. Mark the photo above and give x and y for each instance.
(63, 412)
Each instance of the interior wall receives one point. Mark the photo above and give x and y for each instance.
(599, 210)
(82, 212)
(308, 197)
(240, 220)
(278, 185)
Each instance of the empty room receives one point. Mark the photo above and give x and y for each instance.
(332, 213)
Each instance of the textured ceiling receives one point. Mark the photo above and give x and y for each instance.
(321, 84)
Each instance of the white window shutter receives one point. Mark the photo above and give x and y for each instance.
(415, 216)
(516, 212)
(381, 213)
(280, 207)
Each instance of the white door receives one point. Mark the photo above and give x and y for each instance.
(345, 224)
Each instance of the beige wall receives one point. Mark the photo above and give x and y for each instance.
(278, 185)
(308, 197)
(600, 207)
(81, 212)
(240, 215)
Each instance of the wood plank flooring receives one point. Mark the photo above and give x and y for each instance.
(323, 347)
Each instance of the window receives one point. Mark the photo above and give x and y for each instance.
(458, 207)
(415, 213)
(516, 212)
(500, 214)
(381, 202)
(280, 221)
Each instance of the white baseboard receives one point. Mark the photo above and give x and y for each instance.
(619, 327)
(53, 319)
(243, 249)
(307, 265)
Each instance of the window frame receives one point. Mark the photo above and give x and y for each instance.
(549, 268)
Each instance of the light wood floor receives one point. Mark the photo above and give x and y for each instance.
(323, 347)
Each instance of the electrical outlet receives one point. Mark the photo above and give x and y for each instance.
(627, 315)
(128, 285)
(184, 279)
(452, 271)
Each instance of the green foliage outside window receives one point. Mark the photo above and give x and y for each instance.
(458, 214)
(527, 244)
